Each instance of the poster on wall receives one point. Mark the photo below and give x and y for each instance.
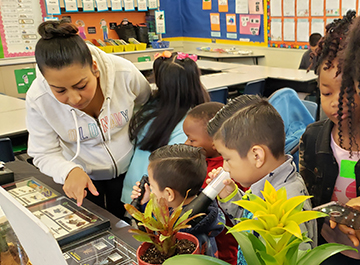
(206, 4)
(160, 21)
(302, 8)
(317, 8)
(223, 5)
(332, 7)
(70, 5)
(101, 5)
(347, 5)
(241, 7)
(153, 4)
(129, 5)
(52, 7)
(256, 7)
(230, 22)
(250, 24)
(289, 29)
(19, 26)
(88, 5)
(142, 5)
(215, 21)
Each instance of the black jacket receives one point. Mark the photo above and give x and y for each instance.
(318, 165)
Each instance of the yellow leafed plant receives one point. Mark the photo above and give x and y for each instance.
(276, 219)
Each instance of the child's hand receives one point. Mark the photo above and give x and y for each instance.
(353, 235)
(229, 183)
(136, 192)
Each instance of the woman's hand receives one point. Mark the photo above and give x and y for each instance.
(136, 192)
(353, 235)
(75, 184)
(230, 185)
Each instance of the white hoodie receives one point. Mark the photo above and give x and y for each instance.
(101, 147)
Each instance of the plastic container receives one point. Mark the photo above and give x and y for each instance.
(160, 44)
(129, 47)
(140, 46)
(119, 48)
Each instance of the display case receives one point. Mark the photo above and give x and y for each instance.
(104, 248)
(30, 191)
(67, 221)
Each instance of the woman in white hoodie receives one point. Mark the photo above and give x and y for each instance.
(78, 112)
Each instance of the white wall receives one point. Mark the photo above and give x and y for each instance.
(274, 57)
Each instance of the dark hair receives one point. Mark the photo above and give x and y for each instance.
(228, 110)
(205, 111)
(332, 43)
(60, 46)
(257, 124)
(179, 167)
(314, 39)
(351, 74)
(179, 89)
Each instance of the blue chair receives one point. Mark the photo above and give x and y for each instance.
(295, 116)
(255, 87)
(6, 151)
(311, 106)
(219, 95)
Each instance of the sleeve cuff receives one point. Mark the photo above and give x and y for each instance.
(228, 198)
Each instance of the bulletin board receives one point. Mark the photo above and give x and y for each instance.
(19, 20)
(291, 22)
(187, 18)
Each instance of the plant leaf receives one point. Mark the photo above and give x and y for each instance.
(247, 225)
(247, 248)
(321, 253)
(143, 238)
(251, 206)
(293, 228)
(269, 260)
(292, 203)
(162, 237)
(134, 212)
(305, 216)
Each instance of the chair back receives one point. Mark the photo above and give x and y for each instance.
(219, 95)
(311, 106)
(255, 87)
(6, 151)
(295, 116)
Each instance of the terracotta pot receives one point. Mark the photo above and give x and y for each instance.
(144, 246)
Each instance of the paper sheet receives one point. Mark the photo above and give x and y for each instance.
(332, 7)
(129, 5)
(317, 26)
(250, 24)
(302, 8)
(88, 5)
(53, 7)
(230, 22)
(346, 5)
(289, 8)
(302, 30)
(317, 8)
(276, 30)
(256, 7)
(215, 21)
(152, 4)
(101, 5)
(70, 5)
(275, 8)
(223, 5)
(241, 7)
(142, 5)
(206, 4)
(289, 30)
(160, 21)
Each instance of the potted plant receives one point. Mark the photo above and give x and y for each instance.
(276, 219)
(161, 238)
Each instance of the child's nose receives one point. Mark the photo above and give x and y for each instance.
(74, 98)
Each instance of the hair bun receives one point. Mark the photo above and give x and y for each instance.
(57, 29)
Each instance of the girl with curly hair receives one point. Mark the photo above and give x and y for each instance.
(329, 148)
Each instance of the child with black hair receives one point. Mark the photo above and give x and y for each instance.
(173, 170)
(159, 121)
(329, 149)
(306, 58)
(252, 143)
(78, 110)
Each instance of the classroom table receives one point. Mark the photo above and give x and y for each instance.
(222, 56)
(24, 170)
(202, 64)
(8, 103)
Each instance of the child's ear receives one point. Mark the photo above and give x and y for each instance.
(257, 155)
(170, 194)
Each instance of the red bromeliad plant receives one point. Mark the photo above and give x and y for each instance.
(161, 225)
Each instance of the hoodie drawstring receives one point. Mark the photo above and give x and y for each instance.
(77, 136)
(109, 115)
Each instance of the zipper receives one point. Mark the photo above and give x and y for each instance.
(106, 147)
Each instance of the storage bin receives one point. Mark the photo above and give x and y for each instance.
(119, 48)
(129, 47)
(140, 47)
(160, 44)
